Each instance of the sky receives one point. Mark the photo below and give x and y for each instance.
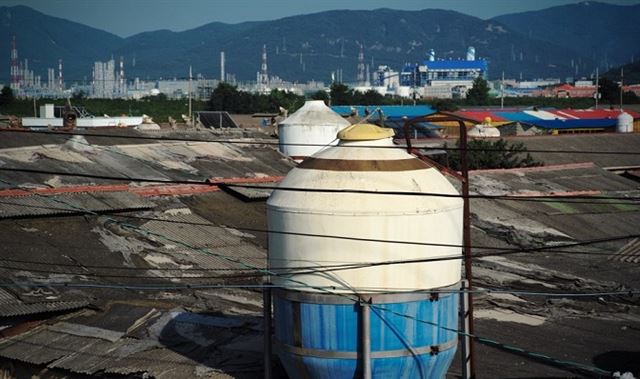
(128, 17)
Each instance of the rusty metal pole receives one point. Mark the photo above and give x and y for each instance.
(466, 241)
(266, 314)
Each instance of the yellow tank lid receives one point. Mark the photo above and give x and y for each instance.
(364, 132)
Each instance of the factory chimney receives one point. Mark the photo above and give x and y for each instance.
(361, 74)
(432, 55)
(60, 78)
(264, 75)
(15, 69)
(222, 66)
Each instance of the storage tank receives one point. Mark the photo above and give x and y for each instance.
(625, 123)
(484, 130)
(313, 124)
(320, 316)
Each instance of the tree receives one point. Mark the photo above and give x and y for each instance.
(6, 96)
(610, 91)
(487, 154)
(341, 94)
(225, 98)
(479, 93)
(320, 95)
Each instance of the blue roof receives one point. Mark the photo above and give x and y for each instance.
(572, 123)
(389, 111)
(456, 65)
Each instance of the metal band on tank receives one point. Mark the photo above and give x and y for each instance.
(376, 298)
(336, 354)
(409, 164)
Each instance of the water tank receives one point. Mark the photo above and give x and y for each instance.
(313, 124)
(625, 123)
(484, 130)
(319, 315)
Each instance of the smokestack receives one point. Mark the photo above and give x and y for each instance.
(60, 78)
(15, 68)
(121, 76)
(432, 55)
(471, 53)
(361, 78)
(263, 67)
(222, 66)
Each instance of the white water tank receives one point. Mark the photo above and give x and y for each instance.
(484, 130)
(365, 159)
(309, 129)
(625, 123)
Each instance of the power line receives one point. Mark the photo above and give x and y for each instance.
(565, 199)
(33, 283)
(298, 282)
(275, 143)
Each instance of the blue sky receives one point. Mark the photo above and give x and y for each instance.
(128, 17)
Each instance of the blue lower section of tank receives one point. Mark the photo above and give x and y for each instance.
(311, 333)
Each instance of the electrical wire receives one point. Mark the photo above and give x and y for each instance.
(34, 283)
(553, 198)
(275, 143)
(297, 282)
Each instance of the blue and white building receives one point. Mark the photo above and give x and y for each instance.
(444, 78)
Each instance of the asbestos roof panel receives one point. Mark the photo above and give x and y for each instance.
(573, 123)
(40, 346)
(613, 142)
(215, 246)
(23, 309)
(41, 205)
(251, 194)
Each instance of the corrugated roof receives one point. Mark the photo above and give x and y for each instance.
(69, 203)
(224, 249)
(479, 116)
(573, 124)
(11, 306)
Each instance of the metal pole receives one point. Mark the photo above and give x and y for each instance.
(190, 115)
(502, 92)
(621, 85)
(597, 88)
(466, 340)
(466, 236)
(266, 314)
(366, 340)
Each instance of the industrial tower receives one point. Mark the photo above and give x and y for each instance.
(361, 79)
(264, 75)
(15, 69)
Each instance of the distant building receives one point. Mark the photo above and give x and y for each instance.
(454, 77)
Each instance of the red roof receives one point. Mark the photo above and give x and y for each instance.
(479, 116)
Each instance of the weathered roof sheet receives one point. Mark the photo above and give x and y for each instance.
(40, 205)
(11, 306)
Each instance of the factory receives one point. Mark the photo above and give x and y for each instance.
(432, 78)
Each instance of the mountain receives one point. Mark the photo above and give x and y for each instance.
(44, 39)
(299, 48)
(311, 46)
(606, 33)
